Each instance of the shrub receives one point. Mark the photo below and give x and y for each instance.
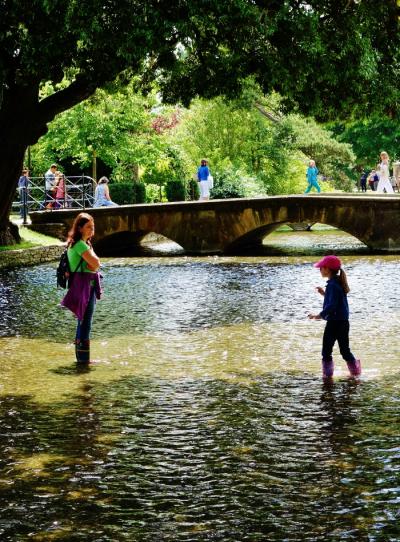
(227, 184)
(139, 192)
(153, 194)
(193, 191)
(175, 190)
(127, 193)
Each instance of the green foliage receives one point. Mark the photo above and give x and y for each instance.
(320, 55)
(324, 58)
(115, 125)
(193, 192)
(334, 159)
(139, 193)
(240, 141)
(155, 193)
(226, 135)
(227, 184)
(125, 193)
(368, 138)
(175, 190)
(269, 152)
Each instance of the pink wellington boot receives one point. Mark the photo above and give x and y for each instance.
(327, 369)
(354, 367)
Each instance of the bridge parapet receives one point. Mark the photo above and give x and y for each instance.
(223, 226)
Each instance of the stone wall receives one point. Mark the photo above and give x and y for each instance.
(30, 256)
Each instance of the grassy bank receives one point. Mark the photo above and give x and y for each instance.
(31, 239)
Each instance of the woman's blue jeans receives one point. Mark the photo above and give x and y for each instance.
(84, 326)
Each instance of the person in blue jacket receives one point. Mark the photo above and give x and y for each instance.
(312, 174)
(335, 311)
(203, 174)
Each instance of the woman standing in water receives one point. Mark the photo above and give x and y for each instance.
(84, 284)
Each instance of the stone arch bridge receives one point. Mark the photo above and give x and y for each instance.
(226, 226)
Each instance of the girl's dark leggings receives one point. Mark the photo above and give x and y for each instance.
(336, 330)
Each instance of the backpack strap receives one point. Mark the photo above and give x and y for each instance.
(78, 266)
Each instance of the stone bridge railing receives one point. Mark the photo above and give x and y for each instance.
(223, 226)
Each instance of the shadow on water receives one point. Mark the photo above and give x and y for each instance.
(206, 418)
(282, 457)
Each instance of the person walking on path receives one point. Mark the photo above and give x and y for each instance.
(384, 177)
(203, 173)
(102, 194)
(371, 180)
(312, 174)
(336, 313)
(59, 193)
(49, 180)
(23, 184)
(363, 180)
(85, 285)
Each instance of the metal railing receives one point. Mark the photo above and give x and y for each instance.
(77, 193)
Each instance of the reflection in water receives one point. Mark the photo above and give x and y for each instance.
(205, 418)
(320, 240)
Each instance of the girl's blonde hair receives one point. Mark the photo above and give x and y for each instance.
(384, 155)
(342, 277)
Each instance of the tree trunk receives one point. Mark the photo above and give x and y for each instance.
(19, 126)
(23, 120)
(135, 173)
(11, 163)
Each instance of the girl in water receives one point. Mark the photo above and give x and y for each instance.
(335, 311)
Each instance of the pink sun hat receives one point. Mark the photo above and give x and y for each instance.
(331, 262)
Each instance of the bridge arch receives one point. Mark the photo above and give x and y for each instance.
(131, 243)
(254, 238)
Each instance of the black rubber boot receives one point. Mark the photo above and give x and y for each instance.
(82, 351)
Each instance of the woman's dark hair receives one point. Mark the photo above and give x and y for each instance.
(75, 234)
(204, 162)
(103, 180)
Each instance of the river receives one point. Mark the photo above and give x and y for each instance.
(205, 417)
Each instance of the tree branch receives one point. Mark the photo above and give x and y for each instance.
(270, 116)
(64, 99)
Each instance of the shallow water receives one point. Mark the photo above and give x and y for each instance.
(205, 417)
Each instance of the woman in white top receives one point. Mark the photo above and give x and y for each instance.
(384, 177)
(102, 194)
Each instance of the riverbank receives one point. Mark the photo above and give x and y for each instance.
(34, 248)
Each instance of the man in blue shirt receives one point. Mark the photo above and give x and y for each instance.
(202, 176)
(23, 183)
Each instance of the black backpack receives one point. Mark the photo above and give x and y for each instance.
(64, 273)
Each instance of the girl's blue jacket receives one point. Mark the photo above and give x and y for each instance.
(335, 305)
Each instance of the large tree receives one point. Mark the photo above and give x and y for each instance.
(321, 55)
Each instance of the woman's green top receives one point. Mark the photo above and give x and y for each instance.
(74, 257)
